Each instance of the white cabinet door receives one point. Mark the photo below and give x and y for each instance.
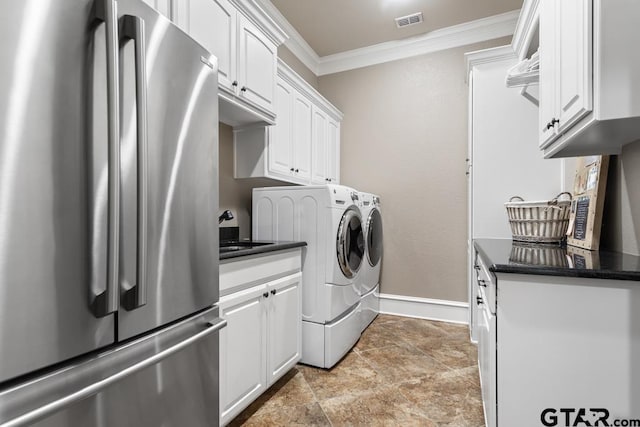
(285, 326)
(280, 136)
(575, 91)
(242, 350)
(301, 136)
(566, 65)
(333, 151)
(257, 65)
(319, 147)
(213, 24)
(487, 364)
(549, 71)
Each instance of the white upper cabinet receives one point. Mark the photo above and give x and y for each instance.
(588, 75)
(566, 64)
(548, 72)
(576, 77)
(319, 146)
(326, 149)
(257, 65)
(213, 24)
(303, 147)
(280, 138)
(301, 134)
(333, 151)
(245, 41)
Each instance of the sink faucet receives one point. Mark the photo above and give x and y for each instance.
(226, 216)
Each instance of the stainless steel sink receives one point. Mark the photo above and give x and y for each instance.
(240, 245)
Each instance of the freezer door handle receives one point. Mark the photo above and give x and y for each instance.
(94, 388)
(133, 29)
(106, 302)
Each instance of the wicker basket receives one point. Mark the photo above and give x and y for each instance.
(539, 222)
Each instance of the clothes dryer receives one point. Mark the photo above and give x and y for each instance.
(328, 218)
(369, 278)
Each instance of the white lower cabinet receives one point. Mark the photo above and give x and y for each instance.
(284, 320)
(557, 348)
(487, 364)
(243, 355)
(262, 340)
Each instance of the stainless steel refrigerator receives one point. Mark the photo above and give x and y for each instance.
(108, 203)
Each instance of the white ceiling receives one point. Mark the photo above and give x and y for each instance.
(334, 26)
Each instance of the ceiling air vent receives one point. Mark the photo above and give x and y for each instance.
(414, 18)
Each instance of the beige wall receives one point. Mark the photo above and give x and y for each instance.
(621, 219)
(404, 137)
(235, 194)
(296, 65)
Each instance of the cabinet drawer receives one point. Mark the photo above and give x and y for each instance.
(244, 272)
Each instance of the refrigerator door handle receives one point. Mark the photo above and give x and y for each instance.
(107, 302)
(133, 29)
(95, 387)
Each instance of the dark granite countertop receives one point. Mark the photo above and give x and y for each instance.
(506, 256)
(254, 247)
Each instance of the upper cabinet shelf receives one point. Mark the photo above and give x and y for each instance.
(589, 78)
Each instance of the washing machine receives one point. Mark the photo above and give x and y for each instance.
(328, 218)
(368, 282)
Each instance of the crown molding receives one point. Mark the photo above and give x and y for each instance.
(526, 28)
(298, 83)
(295, 43)
(263, 19)
(486, 56)
(446, 38)
(477, 31)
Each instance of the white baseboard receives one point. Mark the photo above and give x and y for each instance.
(425, 308)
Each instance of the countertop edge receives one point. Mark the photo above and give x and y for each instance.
(553, 271)
(276, 246)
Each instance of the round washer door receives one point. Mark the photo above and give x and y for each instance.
(350, 243)
(374, 237)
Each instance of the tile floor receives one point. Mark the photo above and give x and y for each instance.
(402, 372)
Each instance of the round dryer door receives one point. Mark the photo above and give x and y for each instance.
(374, 237)
(350, 243)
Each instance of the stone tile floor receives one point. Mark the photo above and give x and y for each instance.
(402, 372)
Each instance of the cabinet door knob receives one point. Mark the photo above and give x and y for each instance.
(243, 89)
(479, 300)
(273, 291)
(266, 295)
(297, 170)
(291, 169)
(235, 83)
(482, 283)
